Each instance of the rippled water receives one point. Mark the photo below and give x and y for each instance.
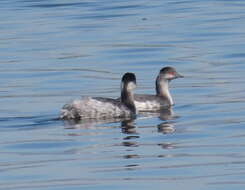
(54, 51)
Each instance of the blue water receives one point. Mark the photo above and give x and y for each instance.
(54, 51)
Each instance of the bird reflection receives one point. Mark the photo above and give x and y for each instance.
(166, 115)
(132, 131)
(90, 123)
(127, 125)
(165, 128)
(167, 146)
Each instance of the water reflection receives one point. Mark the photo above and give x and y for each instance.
(165, 128)
(54, 49)
(128, 125)
(166, 115)
(90, 123)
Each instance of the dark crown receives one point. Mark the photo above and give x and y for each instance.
(167, 70)
(129, 77)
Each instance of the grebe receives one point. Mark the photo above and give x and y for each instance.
(98, 107)
(162, 99)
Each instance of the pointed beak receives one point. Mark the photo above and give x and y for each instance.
(177, 75)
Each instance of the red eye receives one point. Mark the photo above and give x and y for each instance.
(171, 73)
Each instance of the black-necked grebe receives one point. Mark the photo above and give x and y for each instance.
(162, 99)
(97, 107)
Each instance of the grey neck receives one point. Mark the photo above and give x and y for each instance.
(127, 98)
(162, 89)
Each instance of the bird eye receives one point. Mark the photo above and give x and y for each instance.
(171, 73)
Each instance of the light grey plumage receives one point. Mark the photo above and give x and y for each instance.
(162, 99)
(97, 107)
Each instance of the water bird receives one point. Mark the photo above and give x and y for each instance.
(99, 107)
(163, 98)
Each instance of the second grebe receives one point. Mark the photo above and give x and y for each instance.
(162, 99)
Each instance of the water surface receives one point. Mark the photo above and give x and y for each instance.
(54, 51)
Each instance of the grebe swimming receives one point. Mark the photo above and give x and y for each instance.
(162, 99)
(98, 107)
